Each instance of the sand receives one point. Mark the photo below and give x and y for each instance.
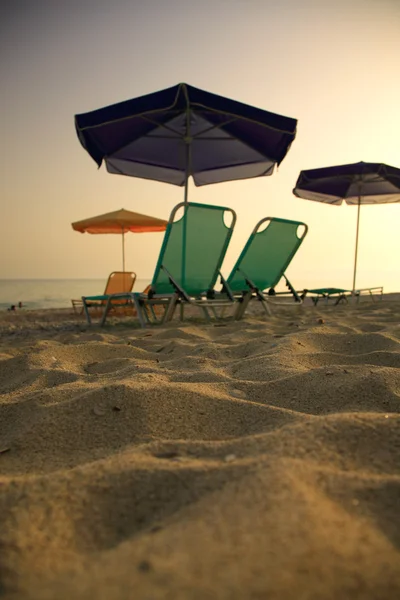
(251, 460)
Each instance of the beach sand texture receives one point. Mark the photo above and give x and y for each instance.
(251, 460)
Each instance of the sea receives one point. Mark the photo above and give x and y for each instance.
(51, 293)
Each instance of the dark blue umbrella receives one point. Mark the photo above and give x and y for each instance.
(359, 183)
(183, 131)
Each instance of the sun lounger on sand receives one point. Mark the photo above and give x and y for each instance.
(342, 295)
(263, 262)
(118, 282)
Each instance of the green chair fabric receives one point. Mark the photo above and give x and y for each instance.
(329, 291)
(267, 254)
(193, 249)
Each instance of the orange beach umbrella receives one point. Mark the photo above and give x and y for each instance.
(120, 221)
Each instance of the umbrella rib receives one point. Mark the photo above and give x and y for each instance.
(180, 136)
(166, 167)
(201, 133)
(145, 114)
(162, 125)
(236, 117)
(139, 162)
(231, 138)
(229, 166)
(219, 126)
(206, 139)
(149, 112)
(221, 139)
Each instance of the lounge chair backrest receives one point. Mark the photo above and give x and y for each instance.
(267, 254)
(120, 282)
(193, 249)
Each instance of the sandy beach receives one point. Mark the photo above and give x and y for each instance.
(248, 460)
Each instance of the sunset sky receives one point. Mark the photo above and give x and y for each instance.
(332, 65)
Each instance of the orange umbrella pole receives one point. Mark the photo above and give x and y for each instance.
(123, 250)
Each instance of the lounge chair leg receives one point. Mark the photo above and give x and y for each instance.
(153, 313)
(239, 310)
(266, 307)
(174, 306)
(86, 309)
(139, 312)
(170, 309)
(105, 313)
(341, 298)
(206, 314)
(242, 306)
(214, 312)
(223, 309)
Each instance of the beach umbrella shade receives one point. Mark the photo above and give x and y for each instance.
(183, 131)
(355, 184)
(120, 222)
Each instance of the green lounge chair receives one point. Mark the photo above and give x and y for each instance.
(190, 259)
(263, 262)
(342, 295)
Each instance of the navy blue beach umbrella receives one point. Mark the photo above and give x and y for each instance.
(358, 183)
(183, 131)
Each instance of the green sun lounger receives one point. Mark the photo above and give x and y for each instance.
(263, 262)
(188, 266)
(342, 295)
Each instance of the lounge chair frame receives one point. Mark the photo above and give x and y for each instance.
(252, 290)
(342, 295)
(96, 303)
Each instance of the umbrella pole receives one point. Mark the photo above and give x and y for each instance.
(188, 141)
(123, 250)
(185, 199)
(355, 257)
(187, 172)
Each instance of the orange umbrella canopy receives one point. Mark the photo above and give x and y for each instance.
(120, 221)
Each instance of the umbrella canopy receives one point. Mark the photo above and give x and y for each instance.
(120, 221)
(183, 131)
(356, 184)
(359, 183)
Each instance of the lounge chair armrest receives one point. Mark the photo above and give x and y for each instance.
(292, 290)
(252, 286)
(225, 288)
(179, 290)
(378, 290)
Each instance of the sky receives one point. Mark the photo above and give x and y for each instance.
(331, 65)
